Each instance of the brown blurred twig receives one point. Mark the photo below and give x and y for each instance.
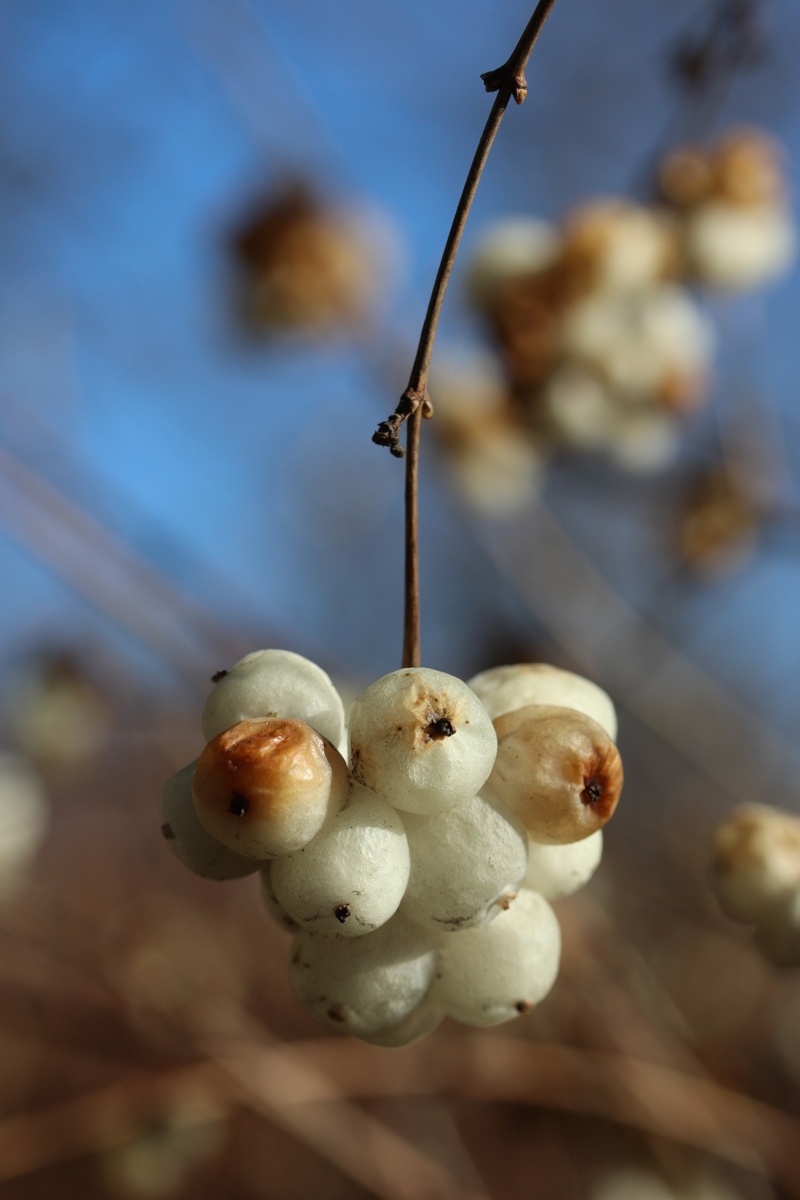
(109, 1117)
(608, 640)
(109, 573)
(649, 1097)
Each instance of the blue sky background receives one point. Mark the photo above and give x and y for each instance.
(133, 135)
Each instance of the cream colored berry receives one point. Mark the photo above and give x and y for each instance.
(558, 770)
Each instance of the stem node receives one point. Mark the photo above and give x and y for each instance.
(509, 77)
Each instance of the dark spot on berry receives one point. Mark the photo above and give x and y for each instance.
(239, 805)
(439, 728)
(523, 1006)
(168, 832)
(336, 1013)
(215, 678)
(342, 912)
(592, 792)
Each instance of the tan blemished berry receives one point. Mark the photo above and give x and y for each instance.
(558, 770)
(748, 168)
(685, 176)
(266, 787)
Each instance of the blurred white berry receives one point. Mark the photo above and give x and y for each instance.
(733, 248)
(619, 246)
(644, 440)
(641, 343)
(628, 1183)
(756, 865)
(58, 714)
(749, 168)
(580, 407)
(501, 473)
(494, 461)
(161, 1158)
(24, 814)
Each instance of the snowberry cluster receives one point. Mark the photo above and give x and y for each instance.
(756, 877)
(597, 341)
(418, 880)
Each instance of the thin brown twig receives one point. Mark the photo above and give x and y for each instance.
(411, 624)
(109, 573)
(508, 80)
(655, 1099)
(109, 1117)
(295, 1095)
(711, 729)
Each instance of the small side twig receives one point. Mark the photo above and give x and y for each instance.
(507, 81)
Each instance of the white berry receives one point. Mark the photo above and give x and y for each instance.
(367, 984)
(421, 739)
(275, 683)
(502, 969)
(504, 689)
(464, 863)
(350, 878)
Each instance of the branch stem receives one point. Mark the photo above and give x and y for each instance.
(411, 633)
(507, 81)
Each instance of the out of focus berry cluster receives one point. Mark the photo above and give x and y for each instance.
(599, 331)
(756, 876)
